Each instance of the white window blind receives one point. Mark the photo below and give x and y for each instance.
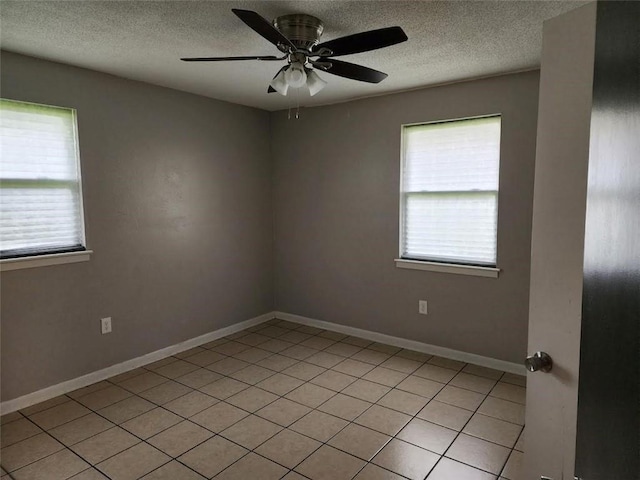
(40, 193)
(450, 191)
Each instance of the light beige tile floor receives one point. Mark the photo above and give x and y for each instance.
(278, 401)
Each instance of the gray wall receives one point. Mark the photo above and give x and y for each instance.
(177, 193)
(337, 213)
(178, 196)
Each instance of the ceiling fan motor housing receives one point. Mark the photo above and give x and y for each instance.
(303, 30)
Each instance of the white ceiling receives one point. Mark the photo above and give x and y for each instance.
(143, 40)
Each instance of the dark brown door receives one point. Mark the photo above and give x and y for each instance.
(608, 446)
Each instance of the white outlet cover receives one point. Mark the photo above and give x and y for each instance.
(422, 307)
(105, 324)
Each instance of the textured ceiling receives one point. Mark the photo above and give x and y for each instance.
(143, 40)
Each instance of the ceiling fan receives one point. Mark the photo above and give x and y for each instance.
(297, 36)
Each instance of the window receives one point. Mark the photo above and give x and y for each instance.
(449, 194)
(40, 191)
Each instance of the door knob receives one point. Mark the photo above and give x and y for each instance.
(539, 361)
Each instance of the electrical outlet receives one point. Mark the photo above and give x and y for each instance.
(105, 324)
(422, 307)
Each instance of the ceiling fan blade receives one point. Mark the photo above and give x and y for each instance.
(351, 70)
(364, 42)
(263, 27)
(226, 59)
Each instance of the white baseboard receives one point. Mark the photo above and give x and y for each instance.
(93, 377)
(502, 365)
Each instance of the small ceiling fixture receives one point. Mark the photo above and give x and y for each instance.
(297, 36)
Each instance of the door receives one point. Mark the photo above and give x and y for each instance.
(608, 443)
(585, 281)
(557, 243)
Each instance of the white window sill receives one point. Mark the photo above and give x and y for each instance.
(491, 272)
(44, 260)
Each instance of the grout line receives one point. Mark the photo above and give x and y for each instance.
(250, 413)
(413, 417)
(143, 440)
(460, 433)
(380, 365)
(395, 436)
(287, 428)
(115, 425)
(212, 432)
(256, 329)
(432, 398)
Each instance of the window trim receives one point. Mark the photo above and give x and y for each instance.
(58, 255)
(44, 260)
(442, 267)
(433, 264)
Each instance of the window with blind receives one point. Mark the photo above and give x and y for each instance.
(449, 193)
(40, 192)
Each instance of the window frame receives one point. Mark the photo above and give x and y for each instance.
(440, 264)
(34, 257)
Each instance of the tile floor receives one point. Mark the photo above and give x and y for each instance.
(278, 401)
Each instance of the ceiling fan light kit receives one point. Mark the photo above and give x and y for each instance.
(295, 75)
(279, 83)
(297, 36)
(314, 82)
